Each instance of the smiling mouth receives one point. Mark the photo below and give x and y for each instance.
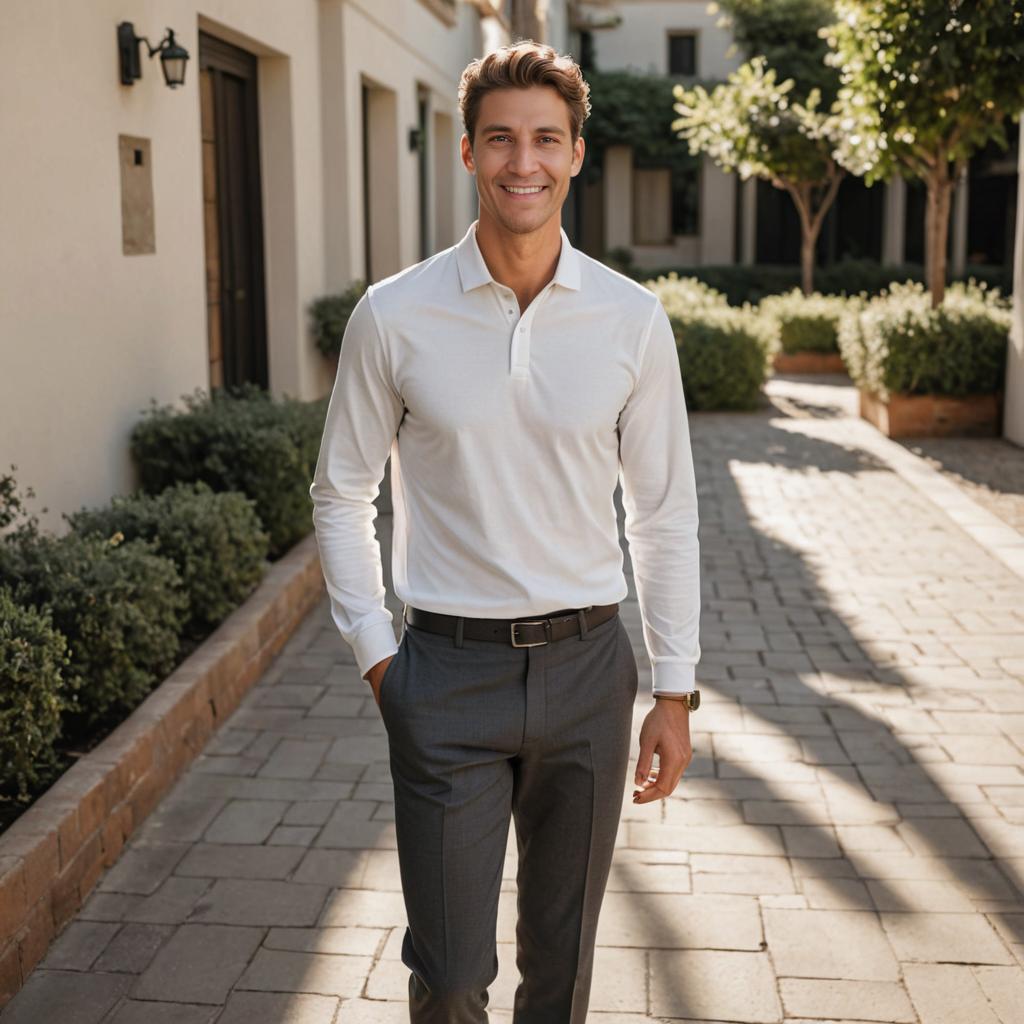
(524, 190)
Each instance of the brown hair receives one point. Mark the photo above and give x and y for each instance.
(519, 66)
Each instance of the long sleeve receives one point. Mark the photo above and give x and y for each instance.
(659, 495)
(362, 420)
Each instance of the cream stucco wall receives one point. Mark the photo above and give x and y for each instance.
(88, 335)
(640, 44)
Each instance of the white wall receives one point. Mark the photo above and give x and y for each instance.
(88, 335)
(640, 43)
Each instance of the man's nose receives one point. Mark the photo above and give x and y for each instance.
(523, 161)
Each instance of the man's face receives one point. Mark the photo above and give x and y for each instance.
(523, 156)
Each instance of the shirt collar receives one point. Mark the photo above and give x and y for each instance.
(473, 270)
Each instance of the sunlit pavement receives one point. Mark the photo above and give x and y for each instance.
(847, 844)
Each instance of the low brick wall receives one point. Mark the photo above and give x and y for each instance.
(809, 362)
(53, 855)
(933, 415)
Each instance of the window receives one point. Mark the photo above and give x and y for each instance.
(682, 53)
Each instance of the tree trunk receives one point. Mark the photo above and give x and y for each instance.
(811, 220)
(936, 230)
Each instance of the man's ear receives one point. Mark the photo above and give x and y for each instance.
(466, 152)
(579, 148)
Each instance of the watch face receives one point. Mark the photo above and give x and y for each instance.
(695, 700)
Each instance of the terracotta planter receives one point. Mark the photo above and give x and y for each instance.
(934, 415)
(809, 362)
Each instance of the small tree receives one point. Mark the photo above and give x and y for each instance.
(925, 84)
(749, 124)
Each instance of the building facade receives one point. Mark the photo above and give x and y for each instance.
(157, 240)
(753, 222)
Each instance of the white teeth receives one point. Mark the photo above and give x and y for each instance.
(522, 191)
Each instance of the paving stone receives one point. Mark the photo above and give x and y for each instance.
(1004, 987)
(78, 946)
(919, 894)
(295, 759)
(326, 974)
(355, 941)
(934, 938)
(844, 944)
(711, 985)
(246, 821)
(136, 1012)
(143, 867)
(947, 994)
(941, 837)
(336, 868)
(700, 920)
(280, 1008)
(216, 860)
(248, 902)
(133, 948)
(837, 999)
(309, 812)
(199, 964)
(170, 904)
(67, 997)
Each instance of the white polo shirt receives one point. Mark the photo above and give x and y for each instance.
(508, 430)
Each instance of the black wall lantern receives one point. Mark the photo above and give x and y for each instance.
(172, 56)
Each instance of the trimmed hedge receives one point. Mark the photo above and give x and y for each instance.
(120, 605)
(329, 317)
(723, 351)
(805, 323)
(215, 540)
(238, 440)
(33, 657)
(741, 283)
(896, 342)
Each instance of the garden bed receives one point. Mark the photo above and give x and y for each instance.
(54, 854)
(905, 415)
(809, 362)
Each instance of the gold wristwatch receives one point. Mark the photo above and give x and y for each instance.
(692, 699)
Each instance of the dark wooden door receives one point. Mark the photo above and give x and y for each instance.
(232, 193)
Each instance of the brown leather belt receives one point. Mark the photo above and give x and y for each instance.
(522, 632)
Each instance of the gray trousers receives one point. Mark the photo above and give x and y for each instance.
(482, 734)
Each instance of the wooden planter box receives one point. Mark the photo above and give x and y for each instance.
(809, 362)
(934, 415)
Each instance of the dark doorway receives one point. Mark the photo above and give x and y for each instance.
(852, 229)
(233, 221)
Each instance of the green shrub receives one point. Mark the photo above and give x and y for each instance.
(32, 696)
(118, 603)
(804, 323)
(684, 297)
(723, 351)
(329, 317)
(240, 440)
(896, 342)
(214, 539)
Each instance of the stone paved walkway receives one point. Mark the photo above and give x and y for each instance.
(847, 844)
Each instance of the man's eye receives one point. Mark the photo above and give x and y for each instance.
(549, 138)
(495, 138)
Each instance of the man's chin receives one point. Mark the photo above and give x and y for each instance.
(524, 222)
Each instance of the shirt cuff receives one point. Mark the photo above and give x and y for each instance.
(374, 644)
(674, 677)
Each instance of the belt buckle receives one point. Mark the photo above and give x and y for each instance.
(546, 623)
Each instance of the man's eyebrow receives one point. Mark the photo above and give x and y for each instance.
(539, 131)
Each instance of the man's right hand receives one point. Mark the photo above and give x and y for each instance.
(375, 675)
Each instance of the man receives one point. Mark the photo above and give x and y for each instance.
(512, 380)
